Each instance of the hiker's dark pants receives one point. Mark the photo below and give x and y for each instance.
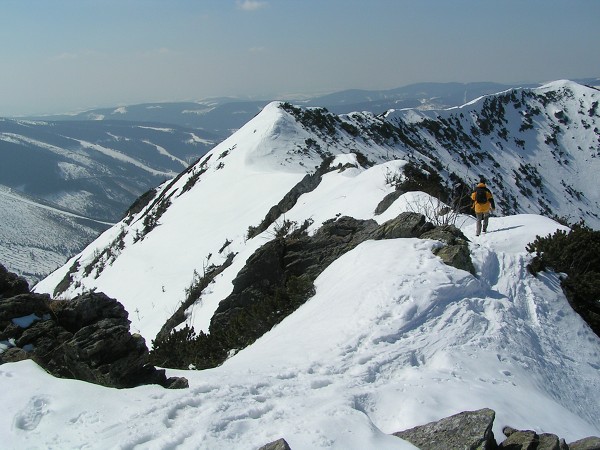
(482, 218)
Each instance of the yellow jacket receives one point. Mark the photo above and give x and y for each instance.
(483, 207)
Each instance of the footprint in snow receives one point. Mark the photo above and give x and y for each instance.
(30, 417)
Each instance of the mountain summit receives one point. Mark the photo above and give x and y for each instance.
(387, 335)
(538, 148)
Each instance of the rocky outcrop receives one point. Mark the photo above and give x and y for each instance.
(589, 443)
(277, 279)
(405, 225)
(387, 201)
(530, 440)
(11, 284)
(86, 338)
(286, 267)
(467, 430)
(307, 184)
(455, 252)
(472, 430)
(279, 444)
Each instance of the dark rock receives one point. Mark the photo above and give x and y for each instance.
(11, 284)
(456, 251)
(521, 440)
(86, 309)
(14, 354)
(276, 280)
(448, 234)
(23, 305)
(548, 441)
(177, 383)
(589, 443)
(457, 256)
(406, 225)
(279, 444)
(467, 430)
(307, 184)
(387, 201)
(86, 338)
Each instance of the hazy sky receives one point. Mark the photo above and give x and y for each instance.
(68, 55)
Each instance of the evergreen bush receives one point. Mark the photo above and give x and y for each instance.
(576, 254)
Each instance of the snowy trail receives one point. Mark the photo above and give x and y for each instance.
(393, 338)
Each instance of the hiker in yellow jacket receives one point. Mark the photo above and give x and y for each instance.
(483, 203)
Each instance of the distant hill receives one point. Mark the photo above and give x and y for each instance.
(56, 170)
(222, 116)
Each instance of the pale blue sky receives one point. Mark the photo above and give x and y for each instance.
(69, 55)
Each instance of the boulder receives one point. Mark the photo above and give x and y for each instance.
(11, 284)
(549, 441)
(456, 251)
(405, 225)
(457, 256)
(589, 443)
(530, 440)
(520, 440)
(279, 444)
(86, 338)
(466, 430)
(387, 201)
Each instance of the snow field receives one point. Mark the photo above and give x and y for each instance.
(393, 338)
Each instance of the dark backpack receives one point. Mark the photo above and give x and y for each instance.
(481, 195)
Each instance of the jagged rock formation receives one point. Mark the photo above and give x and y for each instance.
(279, 444)
(589, 443)
(530, 440)
(467, 430)
(472, 430)
(516, 439)
(11, 284)
(456, 251)
(86, 338)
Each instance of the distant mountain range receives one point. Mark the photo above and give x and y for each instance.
(62, 182)
(222, 116)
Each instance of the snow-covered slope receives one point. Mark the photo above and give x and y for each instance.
(149, 260)
(539, 148)
(393, 338)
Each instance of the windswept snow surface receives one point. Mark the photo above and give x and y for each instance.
(393, 338)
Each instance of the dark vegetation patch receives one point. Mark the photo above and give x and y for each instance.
(577, 254)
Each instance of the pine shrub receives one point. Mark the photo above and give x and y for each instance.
(576, 254)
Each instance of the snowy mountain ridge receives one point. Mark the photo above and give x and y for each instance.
(231, 189)
(392, 337)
